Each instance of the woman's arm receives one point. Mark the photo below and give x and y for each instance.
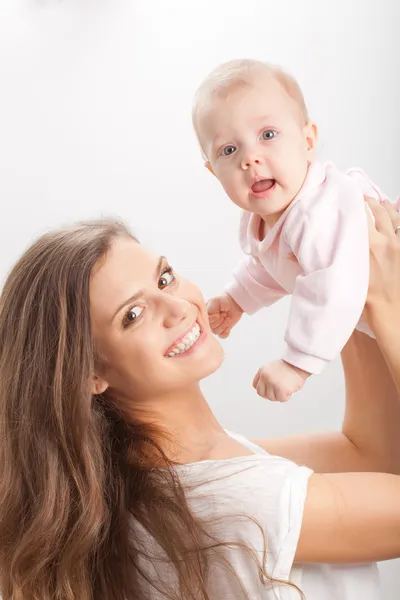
(350, 518)
(369, 440)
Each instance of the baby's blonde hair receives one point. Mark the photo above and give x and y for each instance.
(239, 73)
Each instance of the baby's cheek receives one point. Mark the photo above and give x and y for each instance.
(232, 186)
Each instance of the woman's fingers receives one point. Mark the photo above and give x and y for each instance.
(393, 214)
(370, 220)
(384, 281)
(383, 221)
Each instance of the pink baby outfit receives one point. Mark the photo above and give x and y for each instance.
(318, 251)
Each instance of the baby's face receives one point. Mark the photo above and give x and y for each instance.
(258, 146)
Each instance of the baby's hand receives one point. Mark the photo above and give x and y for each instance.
(223, 314)
(278, 380)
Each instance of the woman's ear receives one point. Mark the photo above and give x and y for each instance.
(99, 385)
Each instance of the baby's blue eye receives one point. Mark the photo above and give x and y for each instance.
(268, 134)
(228, 150)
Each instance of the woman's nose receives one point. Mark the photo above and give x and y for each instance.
(175, 310)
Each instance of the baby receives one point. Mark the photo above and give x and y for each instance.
(303, 229)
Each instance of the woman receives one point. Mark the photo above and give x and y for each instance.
(118, 483)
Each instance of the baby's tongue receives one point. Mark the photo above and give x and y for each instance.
(263, 185)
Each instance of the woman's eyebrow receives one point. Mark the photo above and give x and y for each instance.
(138, 294)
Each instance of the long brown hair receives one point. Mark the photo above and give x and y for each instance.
(73, 474)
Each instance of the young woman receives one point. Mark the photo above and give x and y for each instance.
(116, 480)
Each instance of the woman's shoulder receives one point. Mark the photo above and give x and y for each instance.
(244, 441)
(257, 477)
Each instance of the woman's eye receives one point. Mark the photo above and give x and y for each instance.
(268, 134)
(166, 278)
(228, 150)
(133, 314)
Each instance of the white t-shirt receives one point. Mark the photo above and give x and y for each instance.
(244, 494)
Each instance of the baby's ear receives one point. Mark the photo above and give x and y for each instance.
(311, 136)
(208, 166)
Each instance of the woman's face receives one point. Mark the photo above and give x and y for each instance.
(150, 326)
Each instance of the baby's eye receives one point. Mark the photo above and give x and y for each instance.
(133, 314)
(228, 150)
(166, 278)
(268, 134)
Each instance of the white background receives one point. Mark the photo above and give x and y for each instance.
(95, 100)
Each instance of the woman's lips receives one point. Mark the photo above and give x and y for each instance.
(185, 342)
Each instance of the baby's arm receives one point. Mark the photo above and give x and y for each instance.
(252, 287)
(330, 241)
(331, 244)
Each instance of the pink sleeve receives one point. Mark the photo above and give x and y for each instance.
(366, 186)
(331, 244)
(252, 287)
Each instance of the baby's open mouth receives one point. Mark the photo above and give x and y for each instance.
(263, 185)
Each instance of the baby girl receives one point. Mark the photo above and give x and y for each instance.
(303, 229)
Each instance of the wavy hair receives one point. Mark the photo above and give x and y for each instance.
(74, 474)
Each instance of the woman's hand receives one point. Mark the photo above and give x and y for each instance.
(382, 308)
(383, 301)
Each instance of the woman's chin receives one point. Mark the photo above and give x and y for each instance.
(213, 358)
(204, 361)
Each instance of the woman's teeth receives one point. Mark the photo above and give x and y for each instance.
(187, 342)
